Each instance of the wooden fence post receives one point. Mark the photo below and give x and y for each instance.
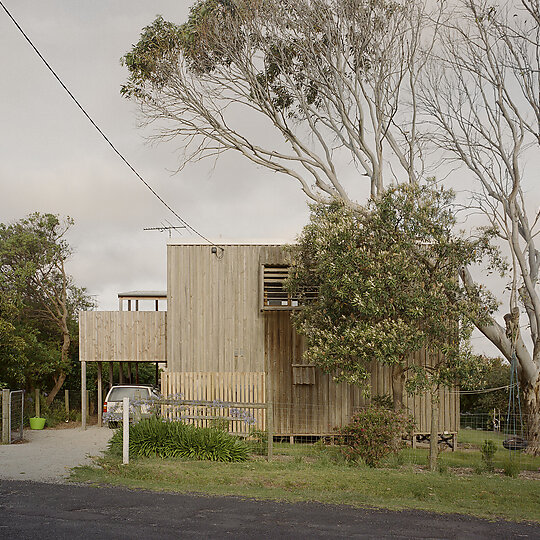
(66, 403)
(125, 431)
(5, 416)
(270, 428)
(84, 403)
(38, 404)
(99, 394)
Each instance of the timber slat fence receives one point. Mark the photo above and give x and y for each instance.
(223, 392)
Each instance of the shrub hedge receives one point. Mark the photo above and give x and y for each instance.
(158, 437)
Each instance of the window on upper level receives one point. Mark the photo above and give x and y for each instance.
(274, 295)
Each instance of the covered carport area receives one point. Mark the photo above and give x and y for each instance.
(126, 337)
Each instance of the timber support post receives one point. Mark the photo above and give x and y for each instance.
(84, 404)
(99, 393)
(125, 431)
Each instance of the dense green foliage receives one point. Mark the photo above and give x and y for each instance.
(375, 433)
(38, 303)
(387, 286)
(218, 33)
(157, 437)
(496, 374)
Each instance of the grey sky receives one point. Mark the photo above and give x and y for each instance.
(52, 159)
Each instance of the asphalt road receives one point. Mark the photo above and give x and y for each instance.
(47, 511)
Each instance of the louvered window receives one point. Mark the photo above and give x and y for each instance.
(274, 294)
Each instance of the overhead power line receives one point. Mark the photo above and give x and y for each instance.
(484, 390)
(100, 131)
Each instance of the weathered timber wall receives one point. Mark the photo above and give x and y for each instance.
(318, 404)
(303, 409)
(126, 336)
(214, 318)
(215, 325)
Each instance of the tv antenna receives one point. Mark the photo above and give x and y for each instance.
(169, 227)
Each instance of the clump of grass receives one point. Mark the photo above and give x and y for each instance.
(511, 468)
(157, 437)
(442, 467)
(258, 442)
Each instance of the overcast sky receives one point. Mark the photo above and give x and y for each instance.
(53, 160)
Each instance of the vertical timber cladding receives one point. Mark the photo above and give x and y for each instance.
(303, 405)
(215, 325)
(131, 336)
(214, 318)
(420, 404)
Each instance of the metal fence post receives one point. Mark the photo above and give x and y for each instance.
(125, 432)
(5, 416)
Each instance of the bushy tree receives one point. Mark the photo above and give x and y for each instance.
(43, 299)
(12, 346)
(495, 375)
(387, 282)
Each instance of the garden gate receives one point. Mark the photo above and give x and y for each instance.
(12, 413)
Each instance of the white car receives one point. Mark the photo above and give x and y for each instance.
(141, 398)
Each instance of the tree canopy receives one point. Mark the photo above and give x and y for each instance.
(387, 282)
(38, 311)
(329, 77)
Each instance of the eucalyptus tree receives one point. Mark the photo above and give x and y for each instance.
(482, 98)
(332, 80)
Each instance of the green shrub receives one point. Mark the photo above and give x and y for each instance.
(488, 449)
(157, 437)
(374, 433)
(55, 413)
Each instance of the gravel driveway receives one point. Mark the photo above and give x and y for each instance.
(47, 455)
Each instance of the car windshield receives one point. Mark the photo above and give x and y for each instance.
(118, 394)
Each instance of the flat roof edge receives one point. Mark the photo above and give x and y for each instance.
(276, 244)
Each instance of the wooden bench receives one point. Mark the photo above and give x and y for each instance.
(449, 438)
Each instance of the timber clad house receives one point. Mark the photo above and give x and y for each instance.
(227, 335)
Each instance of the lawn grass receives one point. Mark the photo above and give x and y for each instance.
(313, 473)
(476, 437)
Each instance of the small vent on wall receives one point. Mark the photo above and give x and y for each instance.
(303, 374)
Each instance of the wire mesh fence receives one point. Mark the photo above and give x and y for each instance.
(16, 421)
(11, 415)
(64, 408)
